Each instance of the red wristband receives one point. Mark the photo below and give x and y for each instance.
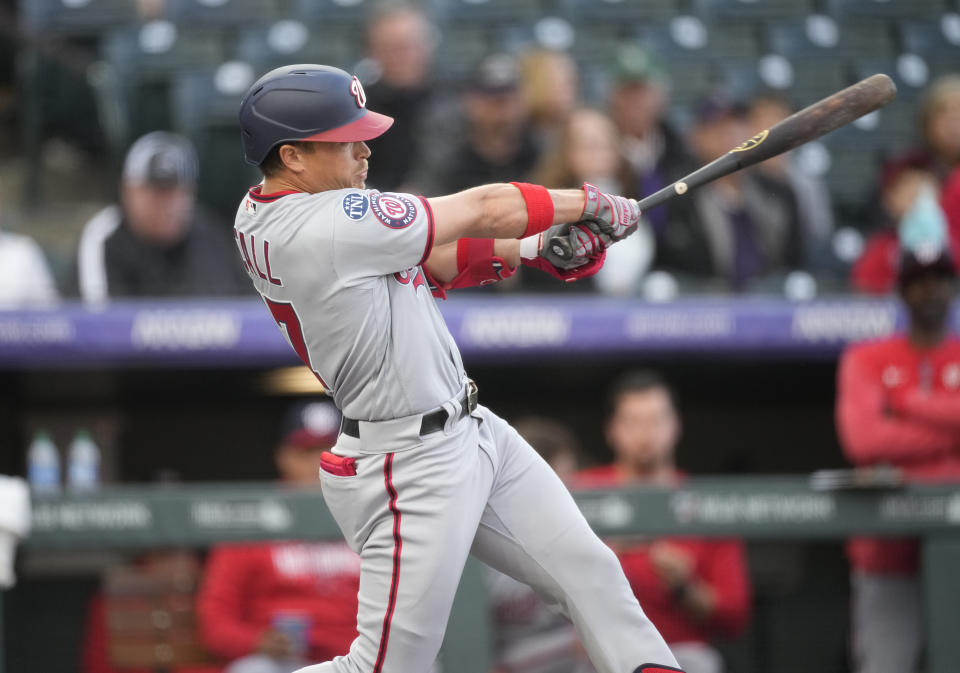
(539, 208)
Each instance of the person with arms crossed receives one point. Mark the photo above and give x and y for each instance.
(421, 475)
(694, 589)
(898, 403)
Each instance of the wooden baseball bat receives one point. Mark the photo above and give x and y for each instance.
(803, 126)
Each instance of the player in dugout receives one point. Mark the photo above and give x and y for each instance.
(898, 403)
(422, 474)
(694, 589)
(271, 606)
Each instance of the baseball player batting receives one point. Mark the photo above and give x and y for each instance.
(421, 474)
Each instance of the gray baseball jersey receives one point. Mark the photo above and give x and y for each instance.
(340, 272)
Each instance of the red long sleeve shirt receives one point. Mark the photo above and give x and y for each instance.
(720, 563)
(246, 586)
(900, 405)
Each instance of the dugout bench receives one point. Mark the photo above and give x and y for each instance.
(127, 518)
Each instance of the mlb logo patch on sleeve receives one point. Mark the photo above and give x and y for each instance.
(394, 210)
(355, 205)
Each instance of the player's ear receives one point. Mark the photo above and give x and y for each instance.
(291, 158)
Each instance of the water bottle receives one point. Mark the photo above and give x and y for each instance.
(43, 464)
(83, 469)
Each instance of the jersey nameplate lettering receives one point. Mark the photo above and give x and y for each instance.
(394, 210)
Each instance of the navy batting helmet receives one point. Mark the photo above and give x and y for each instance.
(305, 102)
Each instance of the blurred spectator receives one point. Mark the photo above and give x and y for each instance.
(653, 148)
(400, 46)
(940, 125)
(589, 151)
(272, 606)
(901, 182)
(898, 403)
(497, 145)
(550, 86)
(692, 589)
(28, 282)
(142, 605)
(739, 229)
(529, 636)
(158, 242)
(811, 194)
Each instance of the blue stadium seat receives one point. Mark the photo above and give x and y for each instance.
(885, 8)
(751, 9)
(622, 10)
(491, 11)
(855, 160)
(322, 11)
(205, 105)
(937, 41)
(689, 38)
(221, 12)
(66, 17)
(140, 64)
(289, 41)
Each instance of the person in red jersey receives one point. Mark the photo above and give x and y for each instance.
(898, 403)
(271, 606)
(693, 589)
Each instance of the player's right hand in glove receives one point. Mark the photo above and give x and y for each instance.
(616, 216)
(566, 251)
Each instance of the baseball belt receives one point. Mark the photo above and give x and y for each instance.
(432, 422)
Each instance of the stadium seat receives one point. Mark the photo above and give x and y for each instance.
(322, 11)
(204, 105)
(221, 12)
(687, 38)
(288, 41)
(751, 9)
(622, 10)
(884, 8)
(937, 41)
(140, 64)
(73, 18)
(490, 11)
(460, 49)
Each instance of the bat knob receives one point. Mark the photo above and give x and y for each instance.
(560, 247)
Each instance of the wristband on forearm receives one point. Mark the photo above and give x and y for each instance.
(539, 208)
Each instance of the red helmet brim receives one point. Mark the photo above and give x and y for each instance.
(367, 127)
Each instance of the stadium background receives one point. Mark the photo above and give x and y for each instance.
(78, 86)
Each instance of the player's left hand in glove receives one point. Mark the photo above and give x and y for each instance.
(566, 251)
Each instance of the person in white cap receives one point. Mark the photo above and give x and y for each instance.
(157, 241)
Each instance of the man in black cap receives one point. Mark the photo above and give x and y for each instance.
(497, 144)
(898, 403)
(157, 241)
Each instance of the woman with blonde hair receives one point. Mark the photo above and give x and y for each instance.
(588, 150)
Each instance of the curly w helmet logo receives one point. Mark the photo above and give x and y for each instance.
(753, 142)
(357, 90)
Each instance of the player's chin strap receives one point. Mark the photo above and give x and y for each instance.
(657, 668)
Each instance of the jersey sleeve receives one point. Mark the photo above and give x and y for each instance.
(222, 602)
(379, 233)
(726, 573)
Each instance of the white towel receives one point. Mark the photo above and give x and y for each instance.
(14, 523)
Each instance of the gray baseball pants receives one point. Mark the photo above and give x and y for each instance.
(418, 505)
